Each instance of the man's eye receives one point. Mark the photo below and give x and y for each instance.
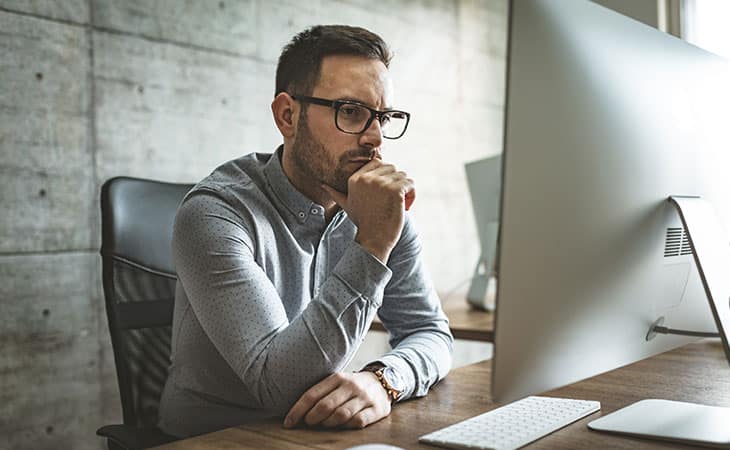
(349, 110)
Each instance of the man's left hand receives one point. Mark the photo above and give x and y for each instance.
(348, 400)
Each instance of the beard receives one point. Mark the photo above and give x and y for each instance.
(313, 161)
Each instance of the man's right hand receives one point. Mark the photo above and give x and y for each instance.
(376, 203)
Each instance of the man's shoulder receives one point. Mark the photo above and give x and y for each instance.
(234, 192)
(236, 175)
(240, 188)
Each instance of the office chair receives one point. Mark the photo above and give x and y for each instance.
(139, 289)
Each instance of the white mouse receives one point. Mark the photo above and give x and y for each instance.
(375, 447)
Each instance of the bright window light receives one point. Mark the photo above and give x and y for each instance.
(708, 25)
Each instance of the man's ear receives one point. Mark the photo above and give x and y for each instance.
(284, 108)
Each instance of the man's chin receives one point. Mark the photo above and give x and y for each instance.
(341, 178)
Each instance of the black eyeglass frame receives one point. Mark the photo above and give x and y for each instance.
(337, 104)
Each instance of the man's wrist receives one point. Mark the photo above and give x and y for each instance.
(377, 249)
(388, 379)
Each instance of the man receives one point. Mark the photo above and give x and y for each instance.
(284, 259)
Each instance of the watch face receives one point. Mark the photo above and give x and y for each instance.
(394, 379)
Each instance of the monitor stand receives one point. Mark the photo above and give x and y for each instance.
(482, 290)
(679, 421)
(711, 250)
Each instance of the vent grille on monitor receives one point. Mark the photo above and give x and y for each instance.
(677, 243)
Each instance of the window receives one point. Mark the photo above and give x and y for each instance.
(705, 24)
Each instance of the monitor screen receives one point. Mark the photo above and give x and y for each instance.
(605, 119)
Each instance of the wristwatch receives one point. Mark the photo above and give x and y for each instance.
(390, 379)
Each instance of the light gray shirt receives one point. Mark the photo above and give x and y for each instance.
(271, 299)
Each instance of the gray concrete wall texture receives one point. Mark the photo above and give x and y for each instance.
(168, 89)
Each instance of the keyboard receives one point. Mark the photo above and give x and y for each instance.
(513, 425)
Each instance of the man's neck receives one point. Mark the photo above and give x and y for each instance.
(309, 188)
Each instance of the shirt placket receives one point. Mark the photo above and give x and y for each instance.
(320, 256)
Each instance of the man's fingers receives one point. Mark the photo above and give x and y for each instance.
(342, 414)
(407, 188)
(397, 180)
(329, 403)
(309, 399)
(383, 169)
(371, 165)
(349, 400)
(410, 198)
(362, 419)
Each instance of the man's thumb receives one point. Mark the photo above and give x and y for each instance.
(337, 196)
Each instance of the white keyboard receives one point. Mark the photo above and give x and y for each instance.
(512, 426)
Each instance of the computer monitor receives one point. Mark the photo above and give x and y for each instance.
(484, 178)
(605, 119)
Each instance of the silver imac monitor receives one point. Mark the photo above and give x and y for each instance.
(605, 119)
(484, 178)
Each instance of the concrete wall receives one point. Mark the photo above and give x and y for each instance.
(169, 89)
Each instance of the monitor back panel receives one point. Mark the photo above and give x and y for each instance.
(605, 118)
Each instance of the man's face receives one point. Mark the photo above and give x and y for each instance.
(320, 151)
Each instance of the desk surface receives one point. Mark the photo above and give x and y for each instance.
(697, 372)
(465, 322)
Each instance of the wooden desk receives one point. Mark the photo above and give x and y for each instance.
(697, 372)
(465, 322)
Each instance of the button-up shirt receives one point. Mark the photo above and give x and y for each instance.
(271, 299)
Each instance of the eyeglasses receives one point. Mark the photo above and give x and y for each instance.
(354, 118)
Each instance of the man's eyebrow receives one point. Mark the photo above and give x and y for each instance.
(360, 102)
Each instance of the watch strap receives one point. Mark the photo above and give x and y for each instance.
(379, 371)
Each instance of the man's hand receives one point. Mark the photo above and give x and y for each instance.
(348, 400)
(377, 197)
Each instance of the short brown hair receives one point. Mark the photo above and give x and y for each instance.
(301, 60)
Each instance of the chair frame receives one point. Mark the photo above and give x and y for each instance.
(126, 316)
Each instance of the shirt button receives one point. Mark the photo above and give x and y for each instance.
(301, 215)
(315, 211)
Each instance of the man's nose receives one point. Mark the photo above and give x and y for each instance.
(372, 136)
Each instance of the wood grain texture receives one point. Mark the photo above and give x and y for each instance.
(697, 373)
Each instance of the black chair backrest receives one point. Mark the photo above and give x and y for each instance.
(139, 287)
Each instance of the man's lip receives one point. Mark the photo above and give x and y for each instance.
(360, 160)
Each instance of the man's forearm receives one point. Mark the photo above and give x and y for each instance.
(277, 361)
(422, 359)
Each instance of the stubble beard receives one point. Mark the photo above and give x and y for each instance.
(313, 161)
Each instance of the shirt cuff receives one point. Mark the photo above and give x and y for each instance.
(403, 369)
(363, 273)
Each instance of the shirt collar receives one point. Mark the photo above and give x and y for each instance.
(294, 201)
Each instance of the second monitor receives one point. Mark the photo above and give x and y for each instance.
(485, 184)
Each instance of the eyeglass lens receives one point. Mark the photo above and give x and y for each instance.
(353, 118)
